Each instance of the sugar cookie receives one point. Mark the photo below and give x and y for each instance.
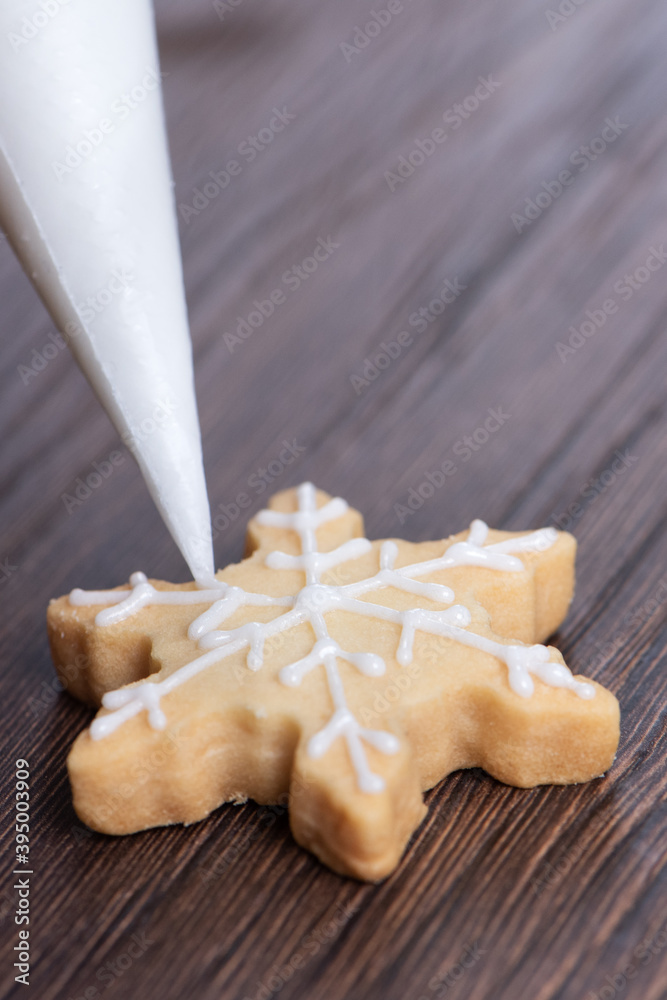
(351, 674)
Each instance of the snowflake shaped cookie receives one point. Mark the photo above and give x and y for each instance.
(350, 674)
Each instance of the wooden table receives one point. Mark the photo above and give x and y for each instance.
(554, 314)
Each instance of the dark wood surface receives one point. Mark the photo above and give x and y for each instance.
(546, 893)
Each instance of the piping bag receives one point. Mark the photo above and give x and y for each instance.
(86, 202)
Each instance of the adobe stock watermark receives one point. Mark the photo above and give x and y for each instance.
(114, 968)
(565, 10)
(248, 150)
(390, 350)
(144, 766)
(624, 288)
(32, 24)
(216, 866)
(453, 117)
(121, 108)
(309, 946)
(224, 7)
(440, 984)
(292, 279)
(615, 984)
(7, 570)
(581, 157)
(378, 20)
(464, 448)
(593, 489)
(92, 306)
(159, 417)
(258, 482)
(84, 486)
(40, 357)
(640, 615)
(83, 489)
(383, 701)
(631, 622)
(551, 875)
(430, 650)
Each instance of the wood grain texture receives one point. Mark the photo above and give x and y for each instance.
(547, 893)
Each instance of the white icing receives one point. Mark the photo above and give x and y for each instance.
(86, 201)
(142, 594)
(311, 604)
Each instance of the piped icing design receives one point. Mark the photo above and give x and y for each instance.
(311, 605)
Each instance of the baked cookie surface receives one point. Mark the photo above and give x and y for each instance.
(350, 675)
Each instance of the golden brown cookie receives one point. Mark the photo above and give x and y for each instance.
(353, 675)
